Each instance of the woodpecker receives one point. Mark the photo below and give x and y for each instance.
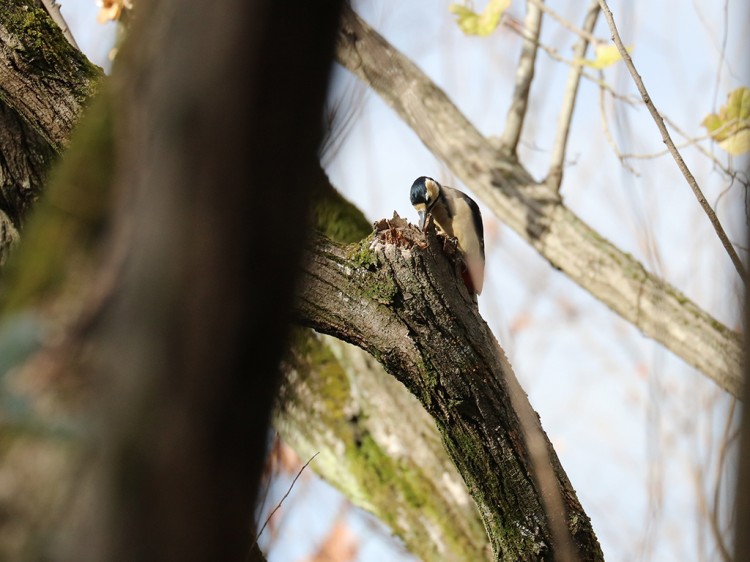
(457, 216)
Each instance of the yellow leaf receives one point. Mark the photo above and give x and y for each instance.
(606, 55)
(737, 143)
(472, 23)
(731, 126)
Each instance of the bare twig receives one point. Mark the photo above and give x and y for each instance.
(659, 154)
(706, 152)
(524, 76)
(725, 445)
(583, 33)
(554, 54)
(278, 505)
(608, 134)
(670, 145)
(554, 178)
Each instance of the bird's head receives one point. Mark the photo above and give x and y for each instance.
(424, 193)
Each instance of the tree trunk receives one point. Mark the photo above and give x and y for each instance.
(403, 303)
(209, 228)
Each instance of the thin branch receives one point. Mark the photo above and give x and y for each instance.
(653, 155)
(707, 153)
(278, 505)
(554, 178)
(583, 33)
(608, 134)
(554, 54)
(524, 76)
(543, 466)
(715, 525)
(670, 145)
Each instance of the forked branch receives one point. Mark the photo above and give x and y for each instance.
(536, 213)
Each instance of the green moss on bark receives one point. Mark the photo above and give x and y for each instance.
(320, 370)
(335, 216)
(42, 46)
(391, 483)
(393, 489)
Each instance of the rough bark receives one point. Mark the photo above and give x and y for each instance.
(43, 78)
(44, 85)
(536, 213)
(379, 447)
(336, 396)
(404, 304)
(25, 158)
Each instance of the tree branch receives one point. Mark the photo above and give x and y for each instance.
(524, 76)
(378, 446)
(25, 158)
(43, 78)
(554, 178)
(402, 301)
(583, 32)
(44, 84)
(53, 9)
(536, 213)
(670, 144)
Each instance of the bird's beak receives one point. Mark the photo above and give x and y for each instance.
(422, 219)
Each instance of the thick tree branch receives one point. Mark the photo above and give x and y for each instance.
(377, 444)
(25, 158)
(189, 343)
(44, 84)
(536, 213)
(43, 78)
(667, 139)
(378, 447)
(402, 301)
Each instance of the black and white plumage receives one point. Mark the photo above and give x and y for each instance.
(457, 215)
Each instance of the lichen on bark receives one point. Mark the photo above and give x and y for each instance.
(378, 446)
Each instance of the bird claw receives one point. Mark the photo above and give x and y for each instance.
(450, 245)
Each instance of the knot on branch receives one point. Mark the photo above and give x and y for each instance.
(397, 231)
(401, 233)
(434, 250)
